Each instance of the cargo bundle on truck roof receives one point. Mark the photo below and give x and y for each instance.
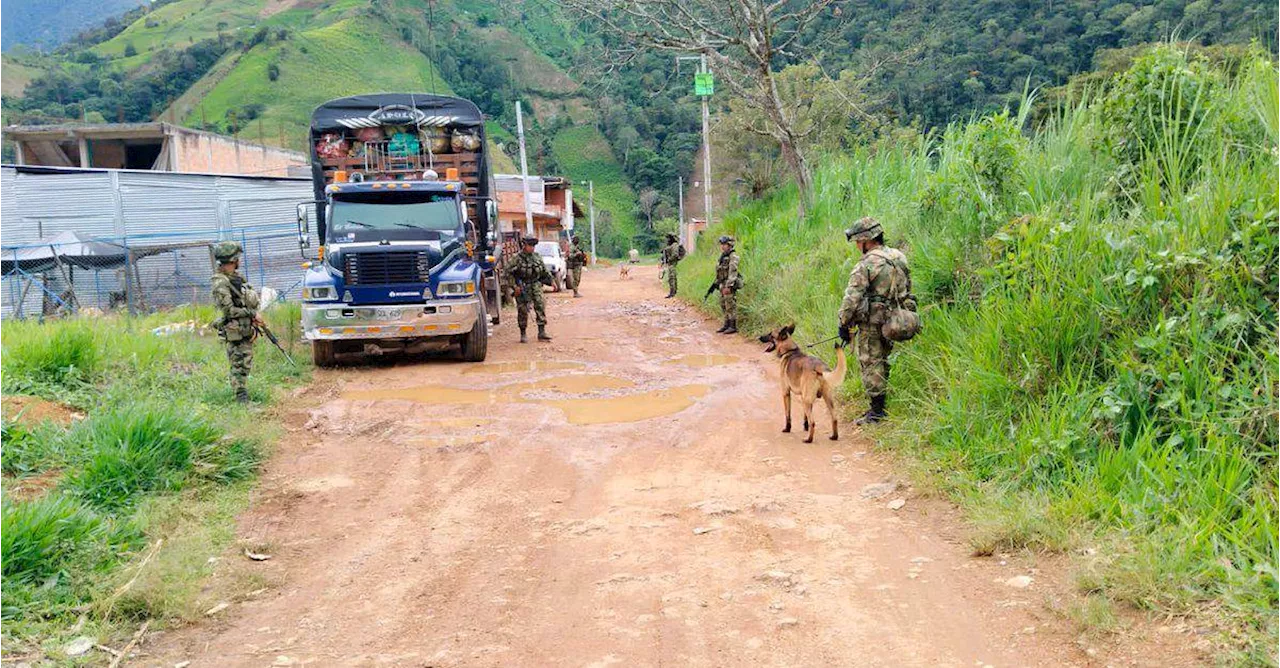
(398, 137)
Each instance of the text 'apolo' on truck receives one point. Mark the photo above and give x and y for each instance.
(404, 212)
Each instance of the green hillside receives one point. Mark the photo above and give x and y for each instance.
(313, 66)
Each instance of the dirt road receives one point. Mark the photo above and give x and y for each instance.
(623, 496)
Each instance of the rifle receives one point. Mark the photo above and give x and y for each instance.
(275, 342)
(711, 289)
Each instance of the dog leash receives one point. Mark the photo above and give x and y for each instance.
(818, 343)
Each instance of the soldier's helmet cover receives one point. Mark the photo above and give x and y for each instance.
(671, 237)
(726, 239)
(866, 229)
(529, 241)
(226, 251)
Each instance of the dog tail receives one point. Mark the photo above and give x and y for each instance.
(836, 378)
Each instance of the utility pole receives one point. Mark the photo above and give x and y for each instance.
(680, 198)
(524, 172)
(703, 88)
(706, 147)
(591, 213)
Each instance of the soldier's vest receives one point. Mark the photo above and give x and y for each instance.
(892, 306)
(722, 272)
(244, 296)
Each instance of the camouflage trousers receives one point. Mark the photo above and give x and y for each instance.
(531, 297)
(573, 277)
(729, 304)
(671, 278)
(873, 358)
(240, 355)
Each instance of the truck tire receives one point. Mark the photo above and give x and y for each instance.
(475, 345)
(322, 353)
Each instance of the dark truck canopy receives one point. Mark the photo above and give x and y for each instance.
(420, 109)
(346, 116)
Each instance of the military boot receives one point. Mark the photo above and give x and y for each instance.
(670, 294)
(242, 396)
(575, 293)
(542, 333)
(524, 338)
(874, 414)
(723, 327)
(733, 326)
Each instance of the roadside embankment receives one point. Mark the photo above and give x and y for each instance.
(1097, 372)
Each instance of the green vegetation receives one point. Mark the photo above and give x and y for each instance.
(165, 453)
(314, 66)
(1098, 364)
(45, 25)
(584, 154)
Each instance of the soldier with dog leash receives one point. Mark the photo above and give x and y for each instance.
(878, 301)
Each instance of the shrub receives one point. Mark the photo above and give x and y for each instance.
(135, 450)
(34, 360)
(42, 536)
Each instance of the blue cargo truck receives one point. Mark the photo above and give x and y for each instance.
(404, 216)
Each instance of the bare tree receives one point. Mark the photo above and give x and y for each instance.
(744, 40)
(647, 203)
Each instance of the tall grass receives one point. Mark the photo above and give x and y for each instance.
(163, 436)
(1098, 365)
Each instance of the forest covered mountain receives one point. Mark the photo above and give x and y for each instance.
(256, 68)
(43, 25)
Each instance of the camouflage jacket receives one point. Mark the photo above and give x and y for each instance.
(237, 304)
(727, 271)
(872, 286)
(672, 253)
(576, 257)
(529, 269)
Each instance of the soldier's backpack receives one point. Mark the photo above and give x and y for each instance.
(902, 322)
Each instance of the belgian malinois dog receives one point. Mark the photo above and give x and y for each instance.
(806, 376)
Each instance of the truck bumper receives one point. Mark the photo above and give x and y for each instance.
(394, 321)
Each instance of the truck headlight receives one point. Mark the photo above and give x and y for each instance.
(456, 288)
(321, 294)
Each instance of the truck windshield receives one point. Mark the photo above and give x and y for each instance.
(394, 211)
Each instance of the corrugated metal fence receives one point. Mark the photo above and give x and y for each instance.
(144, 237)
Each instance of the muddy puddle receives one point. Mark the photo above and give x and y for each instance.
(582, 410)
(521, 367)
(630, 408)
(443, 394)
(697, 361)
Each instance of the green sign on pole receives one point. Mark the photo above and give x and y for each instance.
(704, 84)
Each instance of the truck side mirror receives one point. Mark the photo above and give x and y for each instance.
(304, 228)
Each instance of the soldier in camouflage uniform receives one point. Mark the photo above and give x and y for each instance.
(729, 282)
(530, 274)
(573, 262)
(875, 283)
(238, 320)
(672, 254)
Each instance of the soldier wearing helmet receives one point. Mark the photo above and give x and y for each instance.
(530, 274)
(880, 278)
(573, 262)
(238, 319)
(729, 282)
(672, 254)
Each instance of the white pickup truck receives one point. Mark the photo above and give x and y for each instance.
(551, 256)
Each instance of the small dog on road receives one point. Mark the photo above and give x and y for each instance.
(624, 272)
(806, 376)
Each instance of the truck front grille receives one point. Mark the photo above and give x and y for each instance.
(386, 268)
